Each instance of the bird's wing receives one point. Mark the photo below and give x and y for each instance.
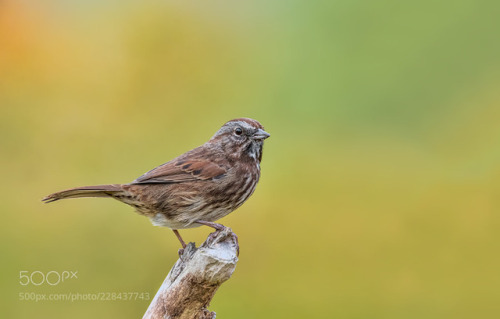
(182, 169)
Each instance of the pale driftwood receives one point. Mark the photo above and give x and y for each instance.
(192, 282)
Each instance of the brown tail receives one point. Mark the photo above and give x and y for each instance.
(86, 191)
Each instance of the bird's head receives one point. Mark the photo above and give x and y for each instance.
(242, 137)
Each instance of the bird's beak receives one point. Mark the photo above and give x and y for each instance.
(260, 135)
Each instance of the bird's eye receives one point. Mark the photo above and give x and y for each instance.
(238, 131)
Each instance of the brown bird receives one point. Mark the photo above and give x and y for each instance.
(197, 187)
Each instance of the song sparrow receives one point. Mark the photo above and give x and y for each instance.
(196, 188)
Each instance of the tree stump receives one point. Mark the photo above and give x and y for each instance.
(192, 282)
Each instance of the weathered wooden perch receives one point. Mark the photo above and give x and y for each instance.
(192, 282)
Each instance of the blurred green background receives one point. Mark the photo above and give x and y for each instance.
(380, 188)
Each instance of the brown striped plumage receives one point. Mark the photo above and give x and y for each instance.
(196, 188)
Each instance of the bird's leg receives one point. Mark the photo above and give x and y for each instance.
(176, 232)
(181, 250)
(218, 228)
